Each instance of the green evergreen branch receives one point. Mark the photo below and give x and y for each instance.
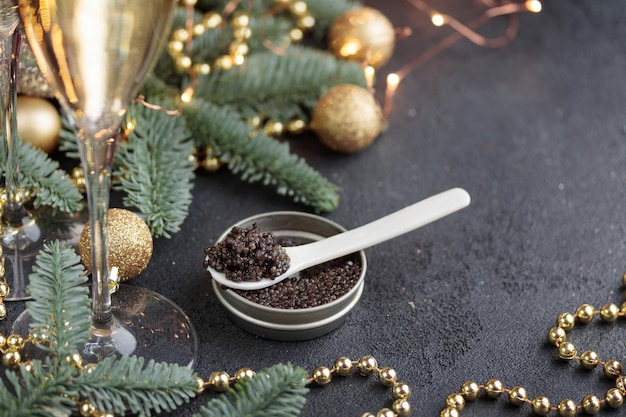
(122, 385)
(278, 391)
(256, 157)
(41, 392)
(51, 186)
(154, 169)
(283, 87)
(60, 308)
(67, 138)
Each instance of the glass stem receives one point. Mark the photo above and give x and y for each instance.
(14, 210)
(97, 156)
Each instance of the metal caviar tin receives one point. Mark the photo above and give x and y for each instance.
(291, 324)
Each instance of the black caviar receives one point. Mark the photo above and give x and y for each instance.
(247, 254)
(318, 285)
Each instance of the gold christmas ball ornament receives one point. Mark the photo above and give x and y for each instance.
(347, 118)
(362, 34)
(130, 244)
(38, 122)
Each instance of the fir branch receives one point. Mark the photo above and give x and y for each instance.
(154, 169)
(283, 87)
(278, 391)
(122, 385)
(67, 137)
(60, 305)
(51, 186)
(43, 391)
(256, 157)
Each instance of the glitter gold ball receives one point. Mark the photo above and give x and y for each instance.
(362, 34)
(347, 118)
(130, 244)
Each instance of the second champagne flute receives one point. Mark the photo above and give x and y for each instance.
(96, 54)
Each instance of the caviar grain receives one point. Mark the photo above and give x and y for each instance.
(247, 254)
(318, 285)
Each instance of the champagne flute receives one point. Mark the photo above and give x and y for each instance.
(95, 54)
(20, 235)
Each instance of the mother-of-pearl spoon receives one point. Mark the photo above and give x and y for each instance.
(393, 225)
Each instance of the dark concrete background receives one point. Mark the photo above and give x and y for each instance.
(535, 132)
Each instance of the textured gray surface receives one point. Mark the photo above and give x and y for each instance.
(535, 132)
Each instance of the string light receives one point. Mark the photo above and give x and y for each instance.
(370, 74)
(511, 10)
(392, 85)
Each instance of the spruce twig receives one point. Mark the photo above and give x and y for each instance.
(256, 157)
(154, 169)
(55, 386)
(125, 384)
(61, 306)
(281, 87)
(51, 185)
(278, 391)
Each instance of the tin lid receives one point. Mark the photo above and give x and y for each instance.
(291, 324)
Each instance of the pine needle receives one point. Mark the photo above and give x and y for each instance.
(155, 170)
(123, 385)
(257, 157)
(60, 305)
(282, 87)
(50, 185)
(278, 391)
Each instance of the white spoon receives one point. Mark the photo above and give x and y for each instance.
(393, 225)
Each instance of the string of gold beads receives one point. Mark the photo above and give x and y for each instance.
(237, 49)
(304, 20)
(566, 350)
(221, 381)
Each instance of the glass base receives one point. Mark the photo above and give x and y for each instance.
(20, 245)
(23, 240)
(145, 324)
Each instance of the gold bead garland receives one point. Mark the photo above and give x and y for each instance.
(11, 348)
(343, 366)
(566, 350)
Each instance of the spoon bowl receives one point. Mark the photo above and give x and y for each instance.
(393, 225)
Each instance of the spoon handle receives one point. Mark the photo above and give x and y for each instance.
(385, 228)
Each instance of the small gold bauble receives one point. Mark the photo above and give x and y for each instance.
(38, 122)
(362, 34)
(129, 246)
(347, 118)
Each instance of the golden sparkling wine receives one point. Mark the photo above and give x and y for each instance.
(96, 53)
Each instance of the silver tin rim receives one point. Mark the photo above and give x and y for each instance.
(290, 324)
